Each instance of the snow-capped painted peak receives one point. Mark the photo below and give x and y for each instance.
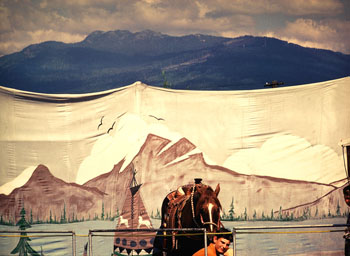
(19, 181)
(130, 133)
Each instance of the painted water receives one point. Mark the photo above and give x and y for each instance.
(289, 243)
(305, 241)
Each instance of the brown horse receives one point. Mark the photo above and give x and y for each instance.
(191, 206)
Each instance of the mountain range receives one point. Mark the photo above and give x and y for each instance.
(107, 60)
(161, 167)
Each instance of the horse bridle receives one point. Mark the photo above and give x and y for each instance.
(193, 213)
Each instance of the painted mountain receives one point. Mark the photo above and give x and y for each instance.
(106, 60)
(333, 201)
(50, 198)
(162, 166)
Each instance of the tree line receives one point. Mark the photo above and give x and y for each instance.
(63, 218)
(231, 214)
(279, 215)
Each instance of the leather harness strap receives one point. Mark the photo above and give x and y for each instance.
(175, 210)
(175, 207)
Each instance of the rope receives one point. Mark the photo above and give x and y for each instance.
(82, 235)
(192, 206)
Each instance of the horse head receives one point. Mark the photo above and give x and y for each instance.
(207, 207)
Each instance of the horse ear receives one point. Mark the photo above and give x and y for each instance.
(217, 190)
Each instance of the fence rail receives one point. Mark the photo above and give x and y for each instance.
(235, 232)
(52, 234)
(203, 230)
(247, 230)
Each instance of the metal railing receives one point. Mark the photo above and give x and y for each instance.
(43, 234)
(235, 232)
(204, 234)
(248, 230)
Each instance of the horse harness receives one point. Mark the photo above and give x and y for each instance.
(176, 204)
(177, 201)
(175, 207)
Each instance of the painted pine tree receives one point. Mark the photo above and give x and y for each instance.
(23, 248)
(103, 212)
(231, 211)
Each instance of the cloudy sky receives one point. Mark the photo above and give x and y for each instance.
(312, 23)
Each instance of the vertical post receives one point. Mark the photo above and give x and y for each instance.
(347, 159)
(90, 243)
(74, 244)
(205, 243)
(234, 233)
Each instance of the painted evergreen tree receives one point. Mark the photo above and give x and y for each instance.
(158, 214)
(338, 209)
(280, 216)
(103, 211)
(231, 211)
(316, 212)
(64, 216)
(245, 214)
(23, 248)
(254, 215)
(223, 215)
(31, 216)
(117, 214)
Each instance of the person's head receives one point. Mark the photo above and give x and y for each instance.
(222, 240)
(346, 192)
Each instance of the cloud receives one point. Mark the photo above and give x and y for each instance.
(17, 40)
(291, 157)
(27, 22)
(307, 7)
(46, 35)
(326, 34)
(285, 7)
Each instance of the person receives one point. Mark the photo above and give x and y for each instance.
(220, 244)
(346, 192)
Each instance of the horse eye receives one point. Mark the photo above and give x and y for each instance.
(216, 212)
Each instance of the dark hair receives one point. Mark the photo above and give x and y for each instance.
(347, 188)
(225, 233)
